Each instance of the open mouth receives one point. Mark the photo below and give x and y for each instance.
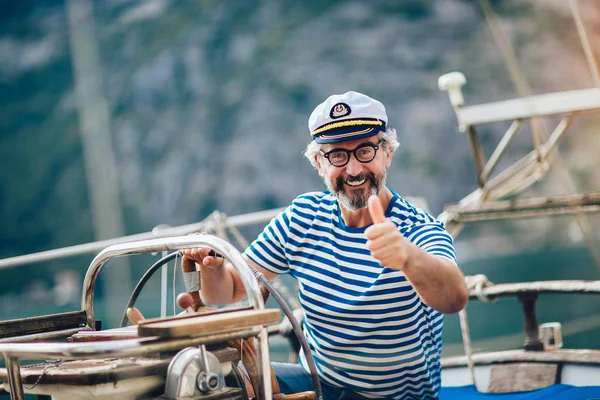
(356, 182)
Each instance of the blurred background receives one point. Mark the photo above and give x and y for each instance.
(117, 116)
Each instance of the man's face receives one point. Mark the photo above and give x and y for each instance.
(356, 181)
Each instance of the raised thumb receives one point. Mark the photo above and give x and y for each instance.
(376, 210)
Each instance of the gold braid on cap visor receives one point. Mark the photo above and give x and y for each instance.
(343, 124)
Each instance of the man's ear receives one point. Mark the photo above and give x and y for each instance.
(318, 164)
(388, 156)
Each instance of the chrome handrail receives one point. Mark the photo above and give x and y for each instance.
(168, 244)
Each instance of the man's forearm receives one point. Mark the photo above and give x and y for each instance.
(440, 284)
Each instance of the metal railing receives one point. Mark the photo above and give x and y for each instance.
(208, 225)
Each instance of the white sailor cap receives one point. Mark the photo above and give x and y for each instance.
(347, 116)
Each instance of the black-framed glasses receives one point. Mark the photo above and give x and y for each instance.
(364, 153)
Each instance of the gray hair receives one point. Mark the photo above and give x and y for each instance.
(389, 140)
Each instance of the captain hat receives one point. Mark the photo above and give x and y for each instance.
(347, 116)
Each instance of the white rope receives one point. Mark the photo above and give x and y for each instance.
(477, 283)
(474, 283)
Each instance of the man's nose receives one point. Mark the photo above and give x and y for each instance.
(354, 167)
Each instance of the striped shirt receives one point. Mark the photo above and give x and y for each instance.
(366, 326)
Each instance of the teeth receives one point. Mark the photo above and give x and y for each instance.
(356, 183)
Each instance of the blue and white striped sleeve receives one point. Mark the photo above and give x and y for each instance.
(268, 250)
(433, 238)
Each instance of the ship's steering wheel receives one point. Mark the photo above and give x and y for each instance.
(245, 347)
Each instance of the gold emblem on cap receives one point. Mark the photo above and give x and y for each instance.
(339, 110)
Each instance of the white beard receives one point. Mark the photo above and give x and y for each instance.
(358, 199)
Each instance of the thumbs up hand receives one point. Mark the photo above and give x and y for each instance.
(384, 240)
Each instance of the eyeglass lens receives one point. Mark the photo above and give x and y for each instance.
(364, 154)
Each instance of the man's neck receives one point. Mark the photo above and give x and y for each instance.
(360, 218)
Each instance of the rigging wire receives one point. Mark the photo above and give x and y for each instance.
(524, 89)
(512, 65)
(587, 48)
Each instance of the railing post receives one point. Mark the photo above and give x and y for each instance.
(14, 378)
(532, 334)
(163, 273)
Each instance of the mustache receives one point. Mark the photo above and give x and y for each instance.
(339, 182)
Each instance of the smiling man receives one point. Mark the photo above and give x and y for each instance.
(375, 273)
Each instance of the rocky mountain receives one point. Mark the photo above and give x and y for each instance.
(208, 103)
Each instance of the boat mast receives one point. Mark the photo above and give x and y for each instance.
(100, 163)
